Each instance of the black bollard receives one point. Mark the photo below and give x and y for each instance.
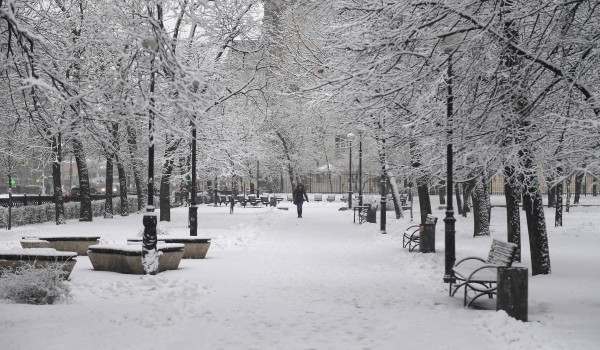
(512, 291)
(149, 251)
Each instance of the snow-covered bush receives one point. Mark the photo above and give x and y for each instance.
(31, 285)
(34, 214)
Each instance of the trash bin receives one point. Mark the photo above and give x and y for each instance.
(512, 291)
(273, 201)
(427, 238)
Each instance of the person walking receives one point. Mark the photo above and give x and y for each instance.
(299, 196)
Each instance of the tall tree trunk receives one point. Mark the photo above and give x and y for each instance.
(559, 202)
(467, 189)
(136, 166)
(578, 182)
(59, 207)
(459, 204)
(286, 153)
(165, 182)
(551, 193)
(424, 200)
(481, 208)
(108, 193)
(122, 187)
(442, 192)
(536, 223)
(85, 209)
(513, 216)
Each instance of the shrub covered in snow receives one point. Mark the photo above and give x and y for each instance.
(34, 214)
(31, 285)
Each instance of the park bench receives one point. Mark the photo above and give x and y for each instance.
(290, 197)
(480, 275)
(344, 198)
(265, 201)
(77, 244)
(253, 200)
(127, 258)
(331, 197)
(410, 238)
(318, 197)
(222, 200)
(193, 247)
(362, 212)
(11, 260)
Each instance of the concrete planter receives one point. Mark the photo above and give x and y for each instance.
(194, 247)
(78, 244)
(40, 258)
(127, 258)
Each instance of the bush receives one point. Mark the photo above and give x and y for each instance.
(31, 285)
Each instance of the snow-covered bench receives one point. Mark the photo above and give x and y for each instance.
(480, 275)
(318, 197)
(78, 244)
(127, 258)
(194, 247)
(38, 257)
(331, 197)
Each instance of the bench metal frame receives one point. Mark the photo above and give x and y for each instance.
(411, 237)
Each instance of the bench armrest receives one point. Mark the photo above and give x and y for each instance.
(488, 266)
(469, 258)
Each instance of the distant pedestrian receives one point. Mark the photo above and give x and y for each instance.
(299, 196)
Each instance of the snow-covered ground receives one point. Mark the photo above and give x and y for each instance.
(273, 281)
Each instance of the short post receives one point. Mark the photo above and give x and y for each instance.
(512, 291)
(149, 251)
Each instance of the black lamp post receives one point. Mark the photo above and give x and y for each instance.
(449, 229)
(193, 211)
(149, 252)
(350, 137)
(360, 195)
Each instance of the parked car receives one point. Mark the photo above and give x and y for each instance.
(76, 192)
(32, 190)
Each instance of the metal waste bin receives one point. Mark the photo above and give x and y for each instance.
(427, 238)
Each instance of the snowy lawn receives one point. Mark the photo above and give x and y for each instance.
(273, 281)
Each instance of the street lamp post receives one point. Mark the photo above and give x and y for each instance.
(360, 195)
(149, 251)
(450, 45)
(193, 211)
(350, 137)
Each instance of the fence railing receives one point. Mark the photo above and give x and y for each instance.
(24, 200)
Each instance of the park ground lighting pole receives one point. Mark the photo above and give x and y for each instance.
(360, 194)
(193, 211)
(350, 137)
(149, 252)
(450, 45)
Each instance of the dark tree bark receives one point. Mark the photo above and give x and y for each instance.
(122, 187)
(59, 207)
(459, 203)
(559, 203)
(108, 203)
(513, 216)
(551, 193)
(536, 223)
(481, 208)
(135, 165)
(165, 182)
(85, 211)
(467, 189)
(424, 200)
(578, 185)
(442, 192)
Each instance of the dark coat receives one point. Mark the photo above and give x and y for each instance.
(299, 195)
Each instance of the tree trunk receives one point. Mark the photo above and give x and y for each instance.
(424, 200)
(568, 201)
(559, 204)
(135, 164)
(108, 193)
(123, 188)
(481, 208)
(442, 192)
(286, 153)
(165, 182)
(59, 207)
(85, 210)
(551, 193)
(578, 183)
(513, 216)
(467, 189)
(459, 204)
(536, 223)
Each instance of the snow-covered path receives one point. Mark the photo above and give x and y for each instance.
(273, 281)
